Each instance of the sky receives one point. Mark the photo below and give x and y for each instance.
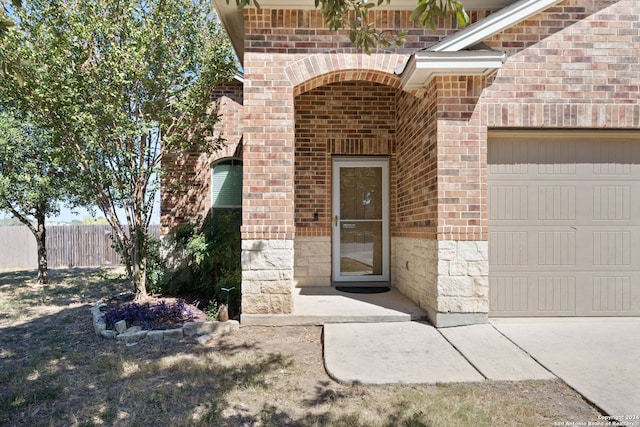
(68, 215)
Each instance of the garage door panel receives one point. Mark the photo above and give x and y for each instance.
(511, 203)
(511, 294)
(564, 223)
(611, 293)
(556, 203)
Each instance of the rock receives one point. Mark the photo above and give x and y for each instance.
(155, 336)
(203, 339)
(109, 334)
(133, 329)
(205, 330)
(172, 334)
(199, 328)
(227, 327)
(120, 326)
(132, 336)
(193, 328)
(99, 326)
(96, 313)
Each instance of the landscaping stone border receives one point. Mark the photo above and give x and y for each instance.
(201, 331)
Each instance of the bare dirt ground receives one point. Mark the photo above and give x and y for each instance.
(56, 371)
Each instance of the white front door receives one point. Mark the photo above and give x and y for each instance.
(361, 221)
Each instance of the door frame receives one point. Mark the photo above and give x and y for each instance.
(336, 164)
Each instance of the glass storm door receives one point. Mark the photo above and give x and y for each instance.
(361, 221)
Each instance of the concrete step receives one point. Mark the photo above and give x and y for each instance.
(322, 305)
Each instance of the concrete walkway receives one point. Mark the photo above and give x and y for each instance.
(598, 357)
(412, 352)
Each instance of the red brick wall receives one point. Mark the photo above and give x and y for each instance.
(582, 72)
(186, 183)
(349, 118)
(417, 182)
(304, 31)
(462, 159)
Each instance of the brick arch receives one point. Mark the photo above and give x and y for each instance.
(321, 69)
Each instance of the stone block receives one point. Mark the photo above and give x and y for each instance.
(320, 268)
(479, 268)
(276, 287)
(155, 336)
(96, 313)
(250, 287)
(99, 326)
(472, 251)
(133, 329)
(132, 336)
(482, 292)
(255, 304)
(273, 259)
(253, 245)
(280, 244)
(172, 334)
(223, 328)
(281, 304)
(462, 305)
(267, 275)
(443, 267)
(447, 250)
(109, 334)
(202, 328)
(203, 339)
(455, 286)
(458, 268)
(481, 281)
(120, 326)
(192, 328)
(312, 247)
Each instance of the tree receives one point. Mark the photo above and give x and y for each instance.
(119, 83)
(34, 179)
(354, 15)
(7, 67)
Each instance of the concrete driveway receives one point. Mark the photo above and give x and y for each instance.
(598, 357)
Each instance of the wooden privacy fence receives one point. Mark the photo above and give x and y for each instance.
(67, 246)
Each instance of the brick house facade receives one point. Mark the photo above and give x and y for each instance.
(432, 109)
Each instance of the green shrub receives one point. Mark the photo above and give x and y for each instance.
(213, 259)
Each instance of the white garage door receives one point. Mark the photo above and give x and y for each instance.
(564, 223)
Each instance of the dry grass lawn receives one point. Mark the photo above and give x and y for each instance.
(56, 372)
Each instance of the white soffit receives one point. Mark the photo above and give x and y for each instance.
(233, 23)
(493, 24)
(425, 65)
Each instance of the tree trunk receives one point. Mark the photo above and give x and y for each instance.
(139, 259)
(41, 239)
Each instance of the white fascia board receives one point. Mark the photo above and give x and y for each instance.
(493, 24)
(424, 66)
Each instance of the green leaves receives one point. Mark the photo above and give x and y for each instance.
(428, 12)
(35, 175)
(117, 84)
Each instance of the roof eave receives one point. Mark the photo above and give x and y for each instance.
(233, 23)
(491, 25)
(425, 66)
